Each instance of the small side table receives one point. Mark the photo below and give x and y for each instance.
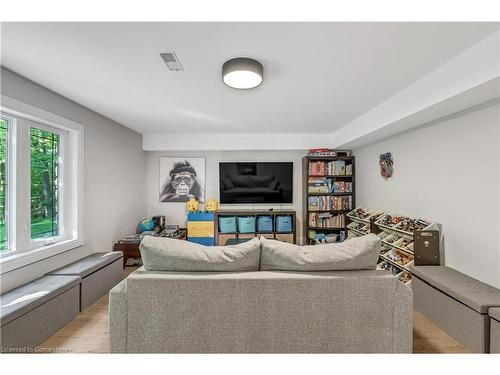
(130, 248)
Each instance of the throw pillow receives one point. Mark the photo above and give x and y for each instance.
(166, 254)
(359, 253)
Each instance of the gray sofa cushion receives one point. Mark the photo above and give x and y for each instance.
(359, 253)
(495, 313)
(471, 292)
(166, 254)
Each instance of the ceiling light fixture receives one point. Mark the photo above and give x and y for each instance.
(242, 73)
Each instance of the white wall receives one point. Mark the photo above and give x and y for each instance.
(176, 212)
(449, 173)
(114, 188)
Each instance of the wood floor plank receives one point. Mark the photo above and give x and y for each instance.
(88, 333)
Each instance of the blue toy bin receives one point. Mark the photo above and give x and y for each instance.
(246, 224)
(227, 224)
(284, 223)
(264, 223)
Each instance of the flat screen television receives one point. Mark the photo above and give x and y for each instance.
(256, 182)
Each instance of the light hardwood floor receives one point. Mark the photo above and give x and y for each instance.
(88, 333)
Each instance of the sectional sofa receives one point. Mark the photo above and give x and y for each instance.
(197, 304)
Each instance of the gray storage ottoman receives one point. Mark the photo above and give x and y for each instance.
(99, 273)
(457, 303)
(495, 330)
(35, 311)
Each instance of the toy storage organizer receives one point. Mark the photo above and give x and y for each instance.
(201, 228)
(279, 225)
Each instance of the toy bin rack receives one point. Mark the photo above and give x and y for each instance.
(399, 245)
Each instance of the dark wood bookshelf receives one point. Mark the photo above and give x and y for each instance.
(334, 177)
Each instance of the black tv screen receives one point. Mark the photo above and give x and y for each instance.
(256, 182)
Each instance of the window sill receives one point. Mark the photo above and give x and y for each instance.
(21, 259)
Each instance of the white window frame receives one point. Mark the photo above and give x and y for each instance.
(22, 249)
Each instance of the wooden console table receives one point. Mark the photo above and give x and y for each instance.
(131, 249)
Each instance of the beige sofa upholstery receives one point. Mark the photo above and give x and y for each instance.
(261, 312)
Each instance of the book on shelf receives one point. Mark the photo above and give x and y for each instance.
(323, 203)
(348, 169)
(342, 187)
(326, 220)
(327, 185)
(333, 168)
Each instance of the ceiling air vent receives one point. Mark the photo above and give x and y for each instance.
(171, 60)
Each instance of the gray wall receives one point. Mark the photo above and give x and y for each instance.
(114, 188)
(448, 173)
(176, 212)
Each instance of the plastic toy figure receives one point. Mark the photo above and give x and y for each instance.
(192, 204)
(211, 205)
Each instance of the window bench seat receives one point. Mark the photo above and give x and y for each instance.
(495, 330)
(457, 303)
(99, 273)
(33, 312)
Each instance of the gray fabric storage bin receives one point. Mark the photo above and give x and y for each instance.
(99, 273)
(495, 330)
(33, 312)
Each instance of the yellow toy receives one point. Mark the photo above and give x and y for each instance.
(211, 205)
(192, 204)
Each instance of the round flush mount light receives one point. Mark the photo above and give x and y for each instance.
(242, 73)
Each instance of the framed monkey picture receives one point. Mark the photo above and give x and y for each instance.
(180, 178)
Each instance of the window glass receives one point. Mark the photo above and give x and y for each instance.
(44, 183)
(3, 184)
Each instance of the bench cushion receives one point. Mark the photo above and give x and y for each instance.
(23, 299)
(495, 313)
(471, 292)
(89, 264)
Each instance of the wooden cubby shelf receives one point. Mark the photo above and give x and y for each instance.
(288, 236)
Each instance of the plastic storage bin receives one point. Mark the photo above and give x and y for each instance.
(284, 223)
(246, 224)
(227, 224)
(264, 223)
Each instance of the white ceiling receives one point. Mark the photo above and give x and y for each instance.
(317, 76)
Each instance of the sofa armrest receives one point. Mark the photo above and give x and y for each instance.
(403, 320)
(117, 316)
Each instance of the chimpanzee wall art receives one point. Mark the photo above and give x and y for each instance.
(181, 178)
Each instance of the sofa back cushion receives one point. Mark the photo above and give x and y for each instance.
(166, 254)
(359, 253)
